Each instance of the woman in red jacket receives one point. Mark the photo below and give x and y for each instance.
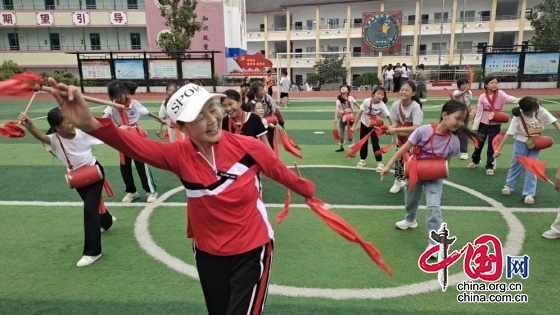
(233, 239)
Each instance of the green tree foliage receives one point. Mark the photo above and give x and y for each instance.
(8, 69)
(180, 18)
(330, 69)
(545, 20)
(366, 79)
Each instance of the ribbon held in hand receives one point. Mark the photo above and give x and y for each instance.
(10, 129)
(23, 83)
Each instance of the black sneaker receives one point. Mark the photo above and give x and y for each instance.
(339, 149)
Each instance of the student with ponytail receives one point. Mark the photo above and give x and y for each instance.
(437, 141)
(74, 149)
(529, 120)
(490, 102)
(407, 115)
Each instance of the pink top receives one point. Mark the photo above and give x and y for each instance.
(497, 102)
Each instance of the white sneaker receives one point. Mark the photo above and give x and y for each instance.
(397, 186)
(404, 224)
(472, 165)
(550, 234)
(130, 197)
(506, 191)
(464, 156)
(152, 197)
(529, 200)
(87, 260)
(379, 167)
(113, 219)
(361, 163)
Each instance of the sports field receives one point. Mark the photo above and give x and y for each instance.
(147, 264)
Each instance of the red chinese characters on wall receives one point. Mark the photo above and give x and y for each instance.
(8, 18)
(44, 18)
(118, 18)
(80, 18)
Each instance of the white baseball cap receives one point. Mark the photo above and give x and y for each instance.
(186, 104)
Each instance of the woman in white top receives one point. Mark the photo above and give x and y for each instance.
(71, 145)
(529, 120)
(389, 84)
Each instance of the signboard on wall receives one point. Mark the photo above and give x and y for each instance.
(196, 69)
(541, 63)
(129, 69)
(381, 31)
(93, 70)
(502, 64)
(163, 69)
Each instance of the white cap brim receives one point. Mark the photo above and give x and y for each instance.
(197, 103)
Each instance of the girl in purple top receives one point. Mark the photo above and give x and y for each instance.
(434, 141)
(492, 99)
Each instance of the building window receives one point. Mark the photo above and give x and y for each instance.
(310, 49)
(135, 42)
(466, 16)
(55, 41)
(310, 24)
(425, 19)
(437, 46)
(13, 40)
(8, 4)
(411, 20)
(298, 26)
(332, 48)
(466, 46)
(439, 15)
(49, 5)
(132, 4)
(357, 22)
(90, 4)
(356, 51)
(422, 50)
(95, 41)
(332, 23)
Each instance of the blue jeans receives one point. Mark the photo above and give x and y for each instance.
(433, 201)
(514, 172)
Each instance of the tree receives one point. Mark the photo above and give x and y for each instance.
(331, 69)
(8, 69)
(181, 21)
(545, 20)
(366, 79)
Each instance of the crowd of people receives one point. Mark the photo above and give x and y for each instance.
(216, 156)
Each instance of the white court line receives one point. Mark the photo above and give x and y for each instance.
(550, 101)
(488, 208)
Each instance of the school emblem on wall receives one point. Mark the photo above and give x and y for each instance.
(381, 30)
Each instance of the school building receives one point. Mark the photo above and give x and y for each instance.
(39, 34)
(429, 32)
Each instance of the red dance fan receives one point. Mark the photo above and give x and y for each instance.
(22, 83)
(289, 145)
(534, 166)
(341, 227)
(10, 129)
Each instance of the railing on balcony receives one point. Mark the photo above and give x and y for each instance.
(74, 5)
(121, 47)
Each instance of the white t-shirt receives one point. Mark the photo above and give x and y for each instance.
(134, 111)
(285, 85)
(77, 149)
(389, 74)
(345, 107)
(163, 112)
(465, 98)
(373, 110)
(535, 125)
